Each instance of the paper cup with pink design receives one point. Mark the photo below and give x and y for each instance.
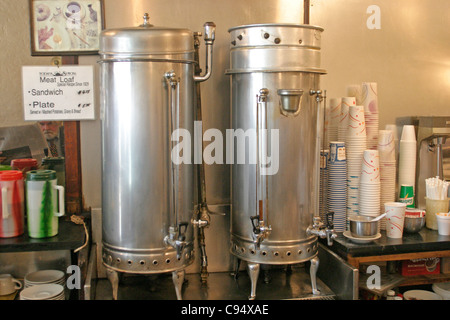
(370, 167)
(395, 219)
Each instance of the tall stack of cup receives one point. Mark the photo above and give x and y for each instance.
(369, 100)
(334, 115)
(323, 197)
(386, 150)
(407, 157)
(337, 183)
(343, 119)
(355, 146)
(369, 188)
(355, 90)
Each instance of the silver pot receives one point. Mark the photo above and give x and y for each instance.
(362, 226)
(413, 224)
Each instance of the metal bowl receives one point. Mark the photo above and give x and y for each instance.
(362, 227)
(413, 224)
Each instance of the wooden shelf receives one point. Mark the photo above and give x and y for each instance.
(424, 279)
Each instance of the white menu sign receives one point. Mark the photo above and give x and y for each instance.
(58, 93)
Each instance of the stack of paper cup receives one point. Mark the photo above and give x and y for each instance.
(407, 157)
(355, 146)
(337, 183)
(386, 150)
(334, 115)
(369, 100)
(343, 119)
(369, 188)
(323, 198)
(355, 90)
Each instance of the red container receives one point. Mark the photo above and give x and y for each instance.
(24, 165)
(11, 203)
(421, 266)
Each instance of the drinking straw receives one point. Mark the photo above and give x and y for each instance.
(436, 188)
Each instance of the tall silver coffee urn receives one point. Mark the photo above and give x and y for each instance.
(147, 95)
(277, 121)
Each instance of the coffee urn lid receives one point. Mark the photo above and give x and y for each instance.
(146, 39)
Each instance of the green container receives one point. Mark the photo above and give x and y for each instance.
(45, 203)
(407, 196)
(4, 167)
(58, 165)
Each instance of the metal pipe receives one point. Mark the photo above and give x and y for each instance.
(306, 5)
(202, 212)
(210, 28)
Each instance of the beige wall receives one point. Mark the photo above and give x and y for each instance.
(409, 57)
(15, 52)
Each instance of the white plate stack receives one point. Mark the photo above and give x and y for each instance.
(407, 157)
(355, 145)
(337, 185)
(369, 100)
(323, 204)
(369, 187)
(387, 152)
(334, 114)
(45, 277)
(343, 117)
(50, 291)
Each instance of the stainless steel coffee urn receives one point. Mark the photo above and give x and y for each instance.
(147, 97)
(277, 121)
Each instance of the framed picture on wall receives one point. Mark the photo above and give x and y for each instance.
(63, 27)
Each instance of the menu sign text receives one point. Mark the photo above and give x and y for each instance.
(58, 93)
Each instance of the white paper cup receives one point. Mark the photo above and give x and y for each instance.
(369, 97)
(343, 121)
(395, 219)
(408, 133)
(370, 167)
(443, 223)
(355, 90)
(356, 124)
(386, 145)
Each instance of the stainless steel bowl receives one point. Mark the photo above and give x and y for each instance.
(362, 227)
(413, 224)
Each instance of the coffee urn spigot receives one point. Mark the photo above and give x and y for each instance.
(323, 230)
(177, 238)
